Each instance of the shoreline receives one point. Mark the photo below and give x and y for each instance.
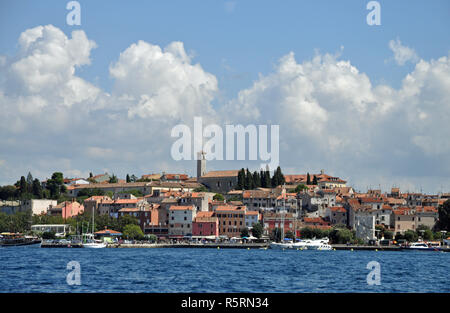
(263, 246)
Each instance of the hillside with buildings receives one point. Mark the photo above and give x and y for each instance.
(230, 203)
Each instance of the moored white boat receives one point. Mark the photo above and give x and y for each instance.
(94, 245)
(423, 246)
(280, 246)
(318, 244)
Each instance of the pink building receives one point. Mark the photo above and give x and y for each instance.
(66, 209)
(205, 224)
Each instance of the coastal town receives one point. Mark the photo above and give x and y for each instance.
(225, 205)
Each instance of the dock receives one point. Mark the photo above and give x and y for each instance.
(60, 245)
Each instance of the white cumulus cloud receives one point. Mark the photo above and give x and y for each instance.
(402, 54)
(163, 82)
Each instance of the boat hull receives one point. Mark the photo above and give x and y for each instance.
(94, 245)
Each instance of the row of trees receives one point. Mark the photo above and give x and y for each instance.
(248, 180)
(16, 223)
(29, 188)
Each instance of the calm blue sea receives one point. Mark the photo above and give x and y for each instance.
(33, 269)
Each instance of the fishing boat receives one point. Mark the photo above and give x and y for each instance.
(16, 239)
(423, 246)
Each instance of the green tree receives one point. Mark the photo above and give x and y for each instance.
(256, 179)
(308, 179)
(424, 232)
(126, 220)
(8, 192)
(29, 181)
(444, 216)
(410, 236)
(306, 233)
(300, 188)
(289, 234)
(241, 180)
(388, 234)
(257, 230)
(267, 180)
(113, 179)
(278, 178)
(56, 185)
(341, 235)
(276, 235)
(218, 197)
(89, 192)
(262, 179)
(152, 238)
(49, 235)
(37, 189)
(23, 186)
(19, 222)
(245, 232)
(132, 231)
(201, 189)
(128, 179)
(314, 182)
(135, 192)
(437, 235)
(248, 180)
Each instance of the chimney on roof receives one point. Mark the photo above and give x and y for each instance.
(322, 172)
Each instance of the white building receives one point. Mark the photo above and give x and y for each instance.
(251, 217)
(365, 225)
(59, 229)
(180, 220)
(38, 206)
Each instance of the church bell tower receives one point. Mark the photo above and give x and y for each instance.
(201, 164)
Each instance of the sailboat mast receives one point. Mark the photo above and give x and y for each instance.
(282, 219)
(92, 220)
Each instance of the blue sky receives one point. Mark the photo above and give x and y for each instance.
(248, 36)
(240, 43)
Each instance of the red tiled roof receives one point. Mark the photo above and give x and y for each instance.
(126, 201)
(205, 214)
(176, 176)
(231, 173)
(229, 208)
(181, 207)
(312, 220)
(338, 209)
(424, 209)
(371, 199)
(107, 231)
